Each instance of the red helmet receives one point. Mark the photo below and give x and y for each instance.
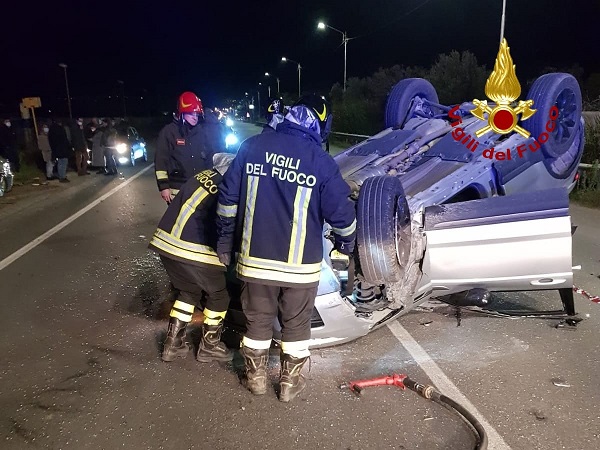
(189, 103)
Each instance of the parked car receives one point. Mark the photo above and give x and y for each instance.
(439, 214)
(6, 177)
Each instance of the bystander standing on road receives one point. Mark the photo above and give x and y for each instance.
(80, 146)
(9, 147)
(108, 142)
(61, 148)
(279, 189)
(44, 146)
(186, 146)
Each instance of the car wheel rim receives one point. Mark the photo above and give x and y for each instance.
(567, 109)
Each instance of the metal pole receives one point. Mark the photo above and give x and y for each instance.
(299, 73)
(259, 110)
(278, 87)
(502, 23)
(64, 66)
(269, 90)
(345, 59)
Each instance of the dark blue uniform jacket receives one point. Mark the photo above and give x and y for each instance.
(280, 189)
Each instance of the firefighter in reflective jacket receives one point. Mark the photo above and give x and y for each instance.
(279, 190)
(185, 240)
(186, 146)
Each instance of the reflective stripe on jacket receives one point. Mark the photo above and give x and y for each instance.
(187, 230)
(279, 190)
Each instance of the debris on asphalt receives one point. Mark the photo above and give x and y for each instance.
(425, 323)
(427, 418)
(560, 382)
(539, 415)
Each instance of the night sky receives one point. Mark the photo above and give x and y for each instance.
(222, 48)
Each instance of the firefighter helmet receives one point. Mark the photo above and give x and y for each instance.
(189, 103)
(313, 112)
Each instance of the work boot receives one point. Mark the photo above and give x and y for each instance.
(175, 344)
(255, 379)
(211, 348)
(291, 382)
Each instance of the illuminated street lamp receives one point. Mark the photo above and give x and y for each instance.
(267, 74)
(64, 66)
(284, 59)
(345, 39)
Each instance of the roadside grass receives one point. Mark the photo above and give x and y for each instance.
(589, 198)
(27, 174)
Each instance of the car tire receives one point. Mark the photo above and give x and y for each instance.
(132, 158)
(400, 99)
(3, 185)
(561, 90)
(383, 217)
(145, 155)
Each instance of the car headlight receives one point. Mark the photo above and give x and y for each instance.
(121, 148)
(231, 139)
(229, 122)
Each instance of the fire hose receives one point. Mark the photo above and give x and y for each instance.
(427, 392)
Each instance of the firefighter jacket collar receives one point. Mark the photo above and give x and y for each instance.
(288, 127)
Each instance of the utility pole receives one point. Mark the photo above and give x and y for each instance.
(64, 66)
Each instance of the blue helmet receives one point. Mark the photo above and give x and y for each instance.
(313, 112)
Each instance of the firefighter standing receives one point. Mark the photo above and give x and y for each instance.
(186, 146)
(275, 113)
(281, 187)
(185, 239)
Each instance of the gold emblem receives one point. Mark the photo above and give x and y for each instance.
(503, 88)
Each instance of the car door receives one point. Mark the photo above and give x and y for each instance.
(513, 243)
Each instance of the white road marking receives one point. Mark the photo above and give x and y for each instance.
(38, 240)
(443, 383)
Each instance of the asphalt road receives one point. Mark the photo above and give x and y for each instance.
(82, 325)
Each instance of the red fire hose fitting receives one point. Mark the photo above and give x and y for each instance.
(392, 380)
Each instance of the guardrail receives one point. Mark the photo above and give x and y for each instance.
(350, 134)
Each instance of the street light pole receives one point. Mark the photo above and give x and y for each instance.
(345, 39)
(284, 59)
(64, 66)
(502, 21)
(122, 83)
(278, 92)
(269, 85)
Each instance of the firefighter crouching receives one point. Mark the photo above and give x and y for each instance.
(185, 239)
(186, 146)
(280, 189)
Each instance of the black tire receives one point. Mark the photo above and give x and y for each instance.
(381, 215)
(560, 90)
(3, 186)
(400, 99)
(132, 158)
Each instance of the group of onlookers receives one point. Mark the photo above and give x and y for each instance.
(60, 141)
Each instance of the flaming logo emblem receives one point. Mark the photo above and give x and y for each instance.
(503, 88)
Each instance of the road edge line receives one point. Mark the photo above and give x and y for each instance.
(55, 229)
(443, 383)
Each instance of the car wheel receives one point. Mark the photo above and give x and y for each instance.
(383, 230)
(132, 158)
(400, 100)
(3, 185)
(145, 158)
(560, 90)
